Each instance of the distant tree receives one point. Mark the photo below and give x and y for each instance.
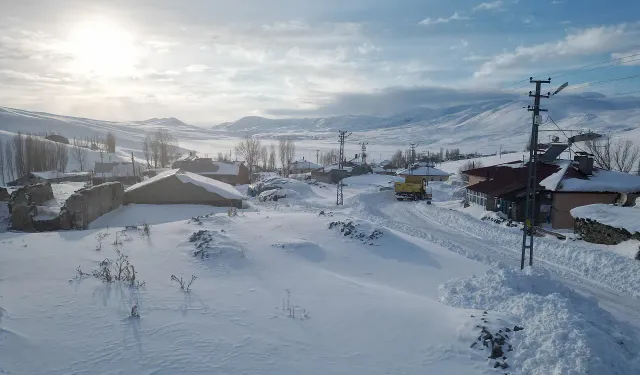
(146, 150)
(2, 163)
(18, 151)
(625, 155)
(110, 142)
(272, 158)
(264, 156)
(166, 145)
(249, 149)
(398, 159)
(291, 153)
(282, 153)
(80, 154)
(8, 152)
(62, 156)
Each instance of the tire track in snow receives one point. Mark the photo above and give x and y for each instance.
(608, 276)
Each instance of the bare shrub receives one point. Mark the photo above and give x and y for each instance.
(120, 270)
(134, 311)
(184, 285)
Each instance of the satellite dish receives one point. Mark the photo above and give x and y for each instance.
(621, 199)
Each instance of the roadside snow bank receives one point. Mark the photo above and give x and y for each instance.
(272, 183)
(564, 332)
(627, 218)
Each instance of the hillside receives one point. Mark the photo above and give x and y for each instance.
(483, 126)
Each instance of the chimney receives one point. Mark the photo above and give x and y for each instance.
(585, 162)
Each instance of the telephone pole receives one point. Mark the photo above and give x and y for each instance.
(532, 181)
(342, 136)
(363, 155)
(318, 157)
(412, 156)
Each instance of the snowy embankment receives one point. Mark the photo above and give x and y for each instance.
(627, 218)
(564, 332)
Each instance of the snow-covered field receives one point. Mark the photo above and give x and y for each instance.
(301, 286)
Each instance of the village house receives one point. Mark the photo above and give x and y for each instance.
(50, 177)
(181, 187)
(233, 173)
(426, 170)
(302, 166)
(125, 172)
(332, 174)
(563, 185)
(57, 138)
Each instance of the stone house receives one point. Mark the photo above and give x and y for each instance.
(233, 173)
(563, 185)
(181, 187)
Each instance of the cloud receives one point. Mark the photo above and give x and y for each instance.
(196, 68)
(491, 5)
(455, 17)
(632, 59)
(394, 100)
(579, 43)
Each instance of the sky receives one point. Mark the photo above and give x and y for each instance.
(210, 61)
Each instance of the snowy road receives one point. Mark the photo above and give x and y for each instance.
(613, 280)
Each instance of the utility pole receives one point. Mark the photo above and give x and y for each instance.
(412, 156)
(532, 181)
(363, 155)
(500, 151)
(318, 157)
(342, 136)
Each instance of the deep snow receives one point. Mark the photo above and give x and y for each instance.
(390, 290)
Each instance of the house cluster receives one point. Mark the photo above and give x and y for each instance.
(562, 186)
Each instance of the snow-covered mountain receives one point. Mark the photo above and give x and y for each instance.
(478, 126)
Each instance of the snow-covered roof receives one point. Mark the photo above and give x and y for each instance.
(423, 171)
(602, 181)
(49, 175)
(303, 164)
(551, 182)
(614, 216)
(335, 166)
(214, 186)
(230, 169)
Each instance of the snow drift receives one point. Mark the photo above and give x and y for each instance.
(565, 333)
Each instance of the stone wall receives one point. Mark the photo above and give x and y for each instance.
(88, 204)
(595, 232)
(23, 205)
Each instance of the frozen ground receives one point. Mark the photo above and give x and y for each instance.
(376, 286)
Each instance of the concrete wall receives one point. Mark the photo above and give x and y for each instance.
(475, 179)
(563, 203)
(171, 190)
(86, 205)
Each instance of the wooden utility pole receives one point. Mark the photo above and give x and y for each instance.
(532, 181)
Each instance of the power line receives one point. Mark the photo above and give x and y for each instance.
(555, 74)
(596, 83)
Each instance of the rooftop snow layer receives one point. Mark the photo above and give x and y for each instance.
(224, 169)
(603, 181)
(49, 175)
(551, 182)
(614, 216)
(424, 171)
(214, 186)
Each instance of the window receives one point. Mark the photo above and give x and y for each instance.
(477, 198)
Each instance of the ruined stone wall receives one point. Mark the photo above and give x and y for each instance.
(23, 205)
(88, 204)
(595, 232)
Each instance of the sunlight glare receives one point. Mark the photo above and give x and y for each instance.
(102, 47)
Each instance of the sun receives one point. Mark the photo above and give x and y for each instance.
(103, 48)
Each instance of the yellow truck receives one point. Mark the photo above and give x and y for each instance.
(413, 188)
